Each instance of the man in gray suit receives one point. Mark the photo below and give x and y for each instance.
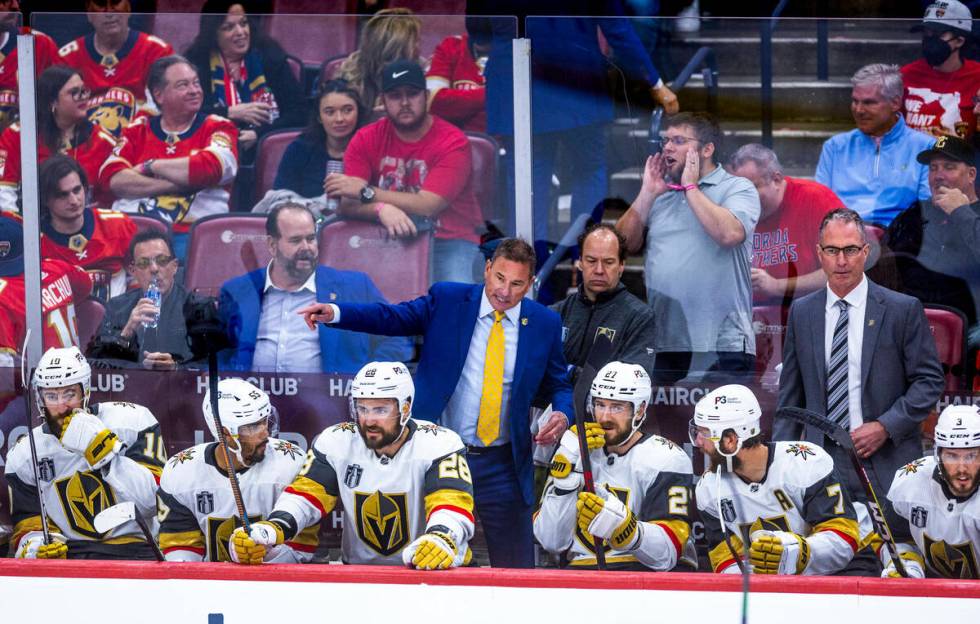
(862, 355)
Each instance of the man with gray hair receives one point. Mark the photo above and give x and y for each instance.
(784, 260)
(873, 167)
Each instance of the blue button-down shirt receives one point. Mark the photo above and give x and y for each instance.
(284, 343)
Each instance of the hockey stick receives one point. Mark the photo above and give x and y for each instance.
(599, 356)
(111, 517)
(743, 566)
(842, 438)
(236, 491)
(26, 388)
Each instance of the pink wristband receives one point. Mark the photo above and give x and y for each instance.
(377, 209)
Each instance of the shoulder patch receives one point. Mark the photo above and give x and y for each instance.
(287, 448)
(431, 428)
(912, 467)
(665, 442)
(345, 426)
(181, 457)
(798, 449)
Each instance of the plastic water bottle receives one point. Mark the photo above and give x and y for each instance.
(154, 295)
(334, 166)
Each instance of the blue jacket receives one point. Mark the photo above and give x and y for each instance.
(446, 318)
(340, 351)
(878, 184)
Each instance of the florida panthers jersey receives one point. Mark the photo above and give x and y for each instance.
(74, 493)
(800, 493)
(61, 285)
(653, 479)
(117, 81)
(90, 155)
(387, 501)
(210, 143)
(945, 529)
(45, 55)
(100, 248)
(198, 509)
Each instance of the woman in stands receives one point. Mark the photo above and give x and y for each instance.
(63, 128)
(245, 75)
(391, 35)
(320, 149)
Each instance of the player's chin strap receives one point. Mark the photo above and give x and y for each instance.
(237, 451)
(721, 517)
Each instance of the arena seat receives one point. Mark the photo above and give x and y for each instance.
(484, 172)
(312, 38)
(88, 314)
(948, 327)
(399, 267)
(177, 21)
(268, 154)
(330, 69)
(222, 247)
(144, 223)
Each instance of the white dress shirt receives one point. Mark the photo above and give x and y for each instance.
(857, 306)
(284, 343)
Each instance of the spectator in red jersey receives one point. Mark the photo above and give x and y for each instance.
(91, 238)
(63, 128)
(411, 172)
(784, 260)
(457, 88)
(114, 61)
(939, 87)
(45, 54)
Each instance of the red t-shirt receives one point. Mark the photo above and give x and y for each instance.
(785, 243)
(45, 55)
(440, 162)
(462, 98)
(938, 103)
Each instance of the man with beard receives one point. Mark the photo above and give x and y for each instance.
(198, 509)
(641, 505)
(404, 485)
(936, 500)
(105, 454)
(259, 308)
(798, 515)
(411, 172)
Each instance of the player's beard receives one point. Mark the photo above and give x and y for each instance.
(387, 437)
(616, 436)
(54, 420)
(717, 459)
(951, 482)
(257, 454)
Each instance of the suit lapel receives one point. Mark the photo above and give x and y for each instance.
(818, 322)
(872, 328)
(522, 336)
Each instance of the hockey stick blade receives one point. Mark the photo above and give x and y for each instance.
(835, 432)
(121, 513)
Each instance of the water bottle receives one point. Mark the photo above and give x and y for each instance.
(334, 166)
(154, 295)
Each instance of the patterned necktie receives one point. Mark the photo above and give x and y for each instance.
(488, 426)
(837, 401)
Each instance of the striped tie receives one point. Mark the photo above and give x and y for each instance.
(837, 401)
(488, 425)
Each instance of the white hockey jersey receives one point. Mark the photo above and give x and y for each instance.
(653, 479)
(800, 493)
(74, 493)
(945, 529)
(198, 512)
(387, 501)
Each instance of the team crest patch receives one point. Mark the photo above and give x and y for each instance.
(912, 467)
(287, 448)
(727, 510)
(429, 428)
(606, 331)
(382, 521)
(800, 450)
(113, 110)
(83, 496)
(665, 442)
(205, 503)
(919, 517)
(353, 475)
(4, 249)
(181, 457)
(45, 469)
(344, 426)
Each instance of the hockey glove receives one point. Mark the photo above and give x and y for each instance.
(32, 546)
(913, 562)
(778, 552)
(607, 518)
(433, 550)
(88, 436)
(565, 467)
(249, 548)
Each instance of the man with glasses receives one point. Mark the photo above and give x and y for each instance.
(862, 355)
(698, 252)
(134, 331)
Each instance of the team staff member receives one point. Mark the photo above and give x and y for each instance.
(486, 353)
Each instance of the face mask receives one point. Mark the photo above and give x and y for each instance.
(935, 50)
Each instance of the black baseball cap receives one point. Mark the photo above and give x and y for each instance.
(11, 247)
(953, 148)
(402, 73)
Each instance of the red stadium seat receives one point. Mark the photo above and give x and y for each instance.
(222, 247)
(177, 21)
(149, 223)
(269, 153)
(331, 68)
(948, 327)
(89, 315)
(484, 175)
(399, 267)
(769, 325)
(312, 38)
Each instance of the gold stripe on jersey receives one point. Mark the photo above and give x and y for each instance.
(306, 540)
(845, 527)
(156, 470)
(183, 539)
(126, 539)
(678, 531)
(27, 525)
(457, 499)
(313, 492)
(720, 555)
(590, 561)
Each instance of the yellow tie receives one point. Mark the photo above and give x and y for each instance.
(488, 427)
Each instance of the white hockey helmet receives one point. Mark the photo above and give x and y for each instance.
(384, 380)
(61, 367)
(618, 381)
(729, 407)
(240, 404)
(958, 427)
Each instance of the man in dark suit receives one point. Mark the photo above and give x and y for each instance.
(487, 351)
(861, 354)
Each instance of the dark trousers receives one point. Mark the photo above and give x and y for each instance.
(500, 506)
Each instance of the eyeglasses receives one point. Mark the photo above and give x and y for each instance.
(849, 252)
(161, 261)
(677, 140)
(609, 407)
(80, 94)
(959, 457)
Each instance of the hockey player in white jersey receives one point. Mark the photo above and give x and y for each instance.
(641, 509)
(404, 484)
(89, 457)
(787, 495)
(197, 507)
(938, 532)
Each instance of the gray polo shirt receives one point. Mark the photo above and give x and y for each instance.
(701, 293)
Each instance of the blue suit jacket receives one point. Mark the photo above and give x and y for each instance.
(446, 318)
(340, 352)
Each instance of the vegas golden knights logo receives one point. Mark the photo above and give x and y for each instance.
(951, 560)
(83, 495)
(382, 521)
(623, 494)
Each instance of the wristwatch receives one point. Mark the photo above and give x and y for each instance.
(367, 194)
(146, 168)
